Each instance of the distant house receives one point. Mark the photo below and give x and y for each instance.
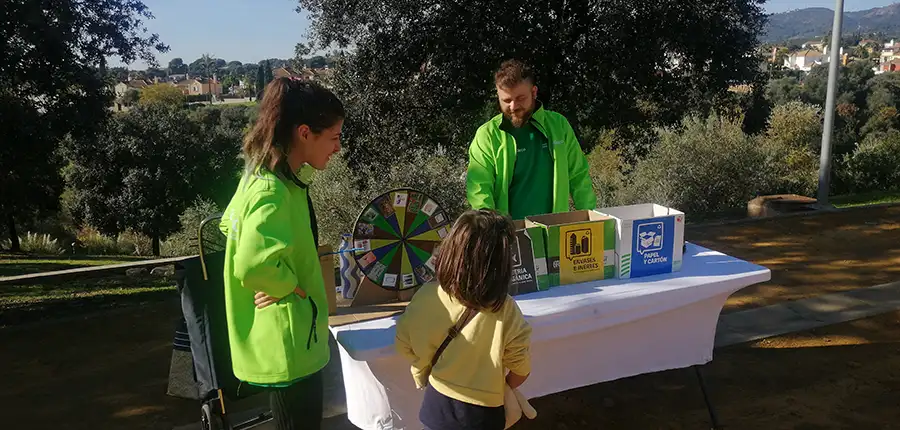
(137, 84)
(890, 66)
(283, 72)
(889, 52)
(803, 60)
(817, 45)
(204, 86)
(184, 85)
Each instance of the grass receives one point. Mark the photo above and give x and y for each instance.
(25, 303)
(15, 264)
(866, 199)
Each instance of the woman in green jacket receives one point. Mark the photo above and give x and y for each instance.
(275, 296)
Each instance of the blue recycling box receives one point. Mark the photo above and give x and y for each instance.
(649, 239)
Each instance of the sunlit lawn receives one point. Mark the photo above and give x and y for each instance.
(865, 199)
(14, 264)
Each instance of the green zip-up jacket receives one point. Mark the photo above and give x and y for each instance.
(492, 159)
(270, 249)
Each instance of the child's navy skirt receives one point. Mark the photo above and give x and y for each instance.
(440, 412)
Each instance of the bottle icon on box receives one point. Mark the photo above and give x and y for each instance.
(579, 242)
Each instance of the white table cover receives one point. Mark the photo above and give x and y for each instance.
(582, 334)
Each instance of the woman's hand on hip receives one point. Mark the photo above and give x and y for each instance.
(262, 300)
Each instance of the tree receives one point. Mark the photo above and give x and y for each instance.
(260, 82)
(140, 173)
(267, 77)
(177, 67)
(53, 84)
(118, 74)
(208, 65)
(154, 72)
(419, 73)
(221, 134)
(130, 98)
(163, 93)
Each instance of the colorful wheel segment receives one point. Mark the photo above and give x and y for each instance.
(397, 235)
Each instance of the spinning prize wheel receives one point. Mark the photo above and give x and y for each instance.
(396, 237)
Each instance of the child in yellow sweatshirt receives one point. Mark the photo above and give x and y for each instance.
(465, 387)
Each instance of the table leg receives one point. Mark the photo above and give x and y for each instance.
(714, 420)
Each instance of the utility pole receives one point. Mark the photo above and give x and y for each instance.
(833, 62)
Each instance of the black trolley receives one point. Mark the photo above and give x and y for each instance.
(200, 368)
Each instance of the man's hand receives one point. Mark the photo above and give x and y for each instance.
(262, 299)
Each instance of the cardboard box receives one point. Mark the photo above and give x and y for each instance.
(529, 260)
(650, 239)
(580, 246)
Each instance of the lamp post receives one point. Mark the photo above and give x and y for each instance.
(825, 160)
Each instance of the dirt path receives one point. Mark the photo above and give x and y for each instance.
(840, 377)
(810, 256)
(100, 372)
(110, 371)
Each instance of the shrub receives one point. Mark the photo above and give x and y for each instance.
(34, 243)
(605, 165)
(92, 242)
(133, 243)
(339, 199)
(793, 141)
(184, 241)
(708, 165)
(796, 125)
(874, 164)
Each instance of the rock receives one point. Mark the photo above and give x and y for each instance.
(163, 271)
(137, 271)
(765, 206)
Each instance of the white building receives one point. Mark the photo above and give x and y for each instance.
(803, 60)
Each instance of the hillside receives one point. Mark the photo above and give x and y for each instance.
(816, 21)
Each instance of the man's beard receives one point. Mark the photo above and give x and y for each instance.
(519, 118)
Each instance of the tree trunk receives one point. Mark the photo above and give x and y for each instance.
(13, 234)
(156, 245)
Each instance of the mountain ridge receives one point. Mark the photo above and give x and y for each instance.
(816, 22)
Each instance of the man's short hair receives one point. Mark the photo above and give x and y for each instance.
(512, 73)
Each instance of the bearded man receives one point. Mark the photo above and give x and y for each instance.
(526, 161)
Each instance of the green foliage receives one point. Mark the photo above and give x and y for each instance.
(424, 83)
(34, 243)
(339, 199)
(90, 241)
(184, 241)
(142, 172)
(705, 166)
(605, 166)
(131, 97)
(875, 164)
(796, 125)
(163, 93)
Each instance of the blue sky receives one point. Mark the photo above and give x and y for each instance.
(253, 30)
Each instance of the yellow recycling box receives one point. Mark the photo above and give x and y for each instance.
(580, 245)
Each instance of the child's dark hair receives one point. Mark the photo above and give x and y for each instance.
(474, 264)
(287, 104)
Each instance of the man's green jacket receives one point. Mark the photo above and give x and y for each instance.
(492, 159)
